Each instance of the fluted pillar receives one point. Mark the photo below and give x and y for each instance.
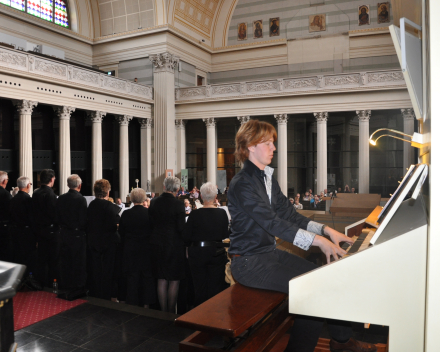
(346, 157)
(211, 152)
(96, 118)
(181, 146)
(25, 108)
(146, 125)
(243, 119)
(64, 165)
(164, 117)
(124, 166)
(364, 150)
(282, 151)
(408, 128)
(321, 122)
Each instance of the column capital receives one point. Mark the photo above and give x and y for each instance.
(164, 62)
(243, 119)
(63, 112)
(124, 119)
(180, 124)
(24, 106)
(146, 123)
(210, 122)
(321, 116)
(408, 114)
(96, 116)
(363, 115)
(281, 118)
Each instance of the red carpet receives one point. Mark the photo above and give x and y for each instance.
(32, 307)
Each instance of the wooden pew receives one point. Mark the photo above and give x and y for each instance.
(248, 319)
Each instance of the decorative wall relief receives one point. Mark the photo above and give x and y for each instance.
(383, 12)
(364, 15)
(242, 31)
(274, 27)
(317, 23)
(258, 29)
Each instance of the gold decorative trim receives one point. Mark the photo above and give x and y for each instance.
(262, 43)
(368, 30)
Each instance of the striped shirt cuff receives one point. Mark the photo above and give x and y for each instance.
(315, 227)
(304, 239)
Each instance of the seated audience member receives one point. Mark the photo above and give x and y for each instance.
(153, 195)
(326, 193)
(298, 196)
(291, 201)
(311, 192)
(322, 195)
(226, 190)
(102, 238)
(187, 206)
(134, 229)
(182, 192)
(206, 228)
(314, 203)
(297, 205)
(167, 216)
(307, 197)
(339, 190)
(119, 203)
(347, 189)
(353, 190)
(146, 202)
(194, 193)
(218, 190)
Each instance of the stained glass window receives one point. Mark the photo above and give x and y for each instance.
(49, 10)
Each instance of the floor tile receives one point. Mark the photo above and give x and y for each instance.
(173, 334)
(79, 333)
(144, 326)
(49, 326)
(23, 337)
(115, 341)
(109, 318)
(83, 311)
(46, 345)
(153, 345)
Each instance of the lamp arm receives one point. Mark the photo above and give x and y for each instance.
(391, 130)
(389, 135)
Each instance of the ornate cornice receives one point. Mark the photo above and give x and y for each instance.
(123, 119)
(146, 123)
(63, 112)
(164, 62)
(180, 124)
(281, 118)
(243, 119)
(408, 114)
(96, 116)
(363, 115)
(321, 116)
(25, 107)
(210, 122)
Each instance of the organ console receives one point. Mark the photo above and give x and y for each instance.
(382, 278)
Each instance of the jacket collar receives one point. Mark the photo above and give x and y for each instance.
(250, 168)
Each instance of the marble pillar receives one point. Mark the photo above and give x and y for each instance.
(243, 119)
(346, 157)
(64, 164)
(408, 128)
(25, 108)
(181, 146)
(282, 151)
(321, 126)
(211, 152)
(146, 125)
(164, 117)
(124, 166)
(96, 118)
(364, 151)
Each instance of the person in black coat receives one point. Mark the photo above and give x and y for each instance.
(5, 197)
(167, 215)
(46, 228)
(134, 229)
(206, 228)
(102, 238)
(72, 215)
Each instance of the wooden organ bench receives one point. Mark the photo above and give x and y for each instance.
(248, 319)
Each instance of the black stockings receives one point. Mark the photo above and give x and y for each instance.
(167, 292)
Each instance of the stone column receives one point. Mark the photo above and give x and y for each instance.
(211, 152)
(181, 145)
(346, 161)
(243, 119)
(282, 151)
(25, 108)
(364, 150)
(321, 121)
(96, 118)
(63, 113)
(124, 166)
(146, 125)
(408, 128)
(164, 117)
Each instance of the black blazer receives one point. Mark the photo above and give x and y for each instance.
(43, 207)
(135, 223)
(167, 215)
(72, 210)
(255, 220)
(5, 197)
(20, 210)
(102, 223)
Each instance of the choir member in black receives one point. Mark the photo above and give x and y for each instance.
(102, 240)
(72, 215)
(167, 216)
(24, 242)
(206, 228)
(46, 229)
(134, 229)
(5, 196)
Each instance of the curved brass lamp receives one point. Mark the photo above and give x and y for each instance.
(416, 139)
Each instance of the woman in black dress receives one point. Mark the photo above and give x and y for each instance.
(206, 228)
(134, 229)
(167, 216)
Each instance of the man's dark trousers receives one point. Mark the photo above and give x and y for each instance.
(48, 255)
(73, 259)
(24, 246)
